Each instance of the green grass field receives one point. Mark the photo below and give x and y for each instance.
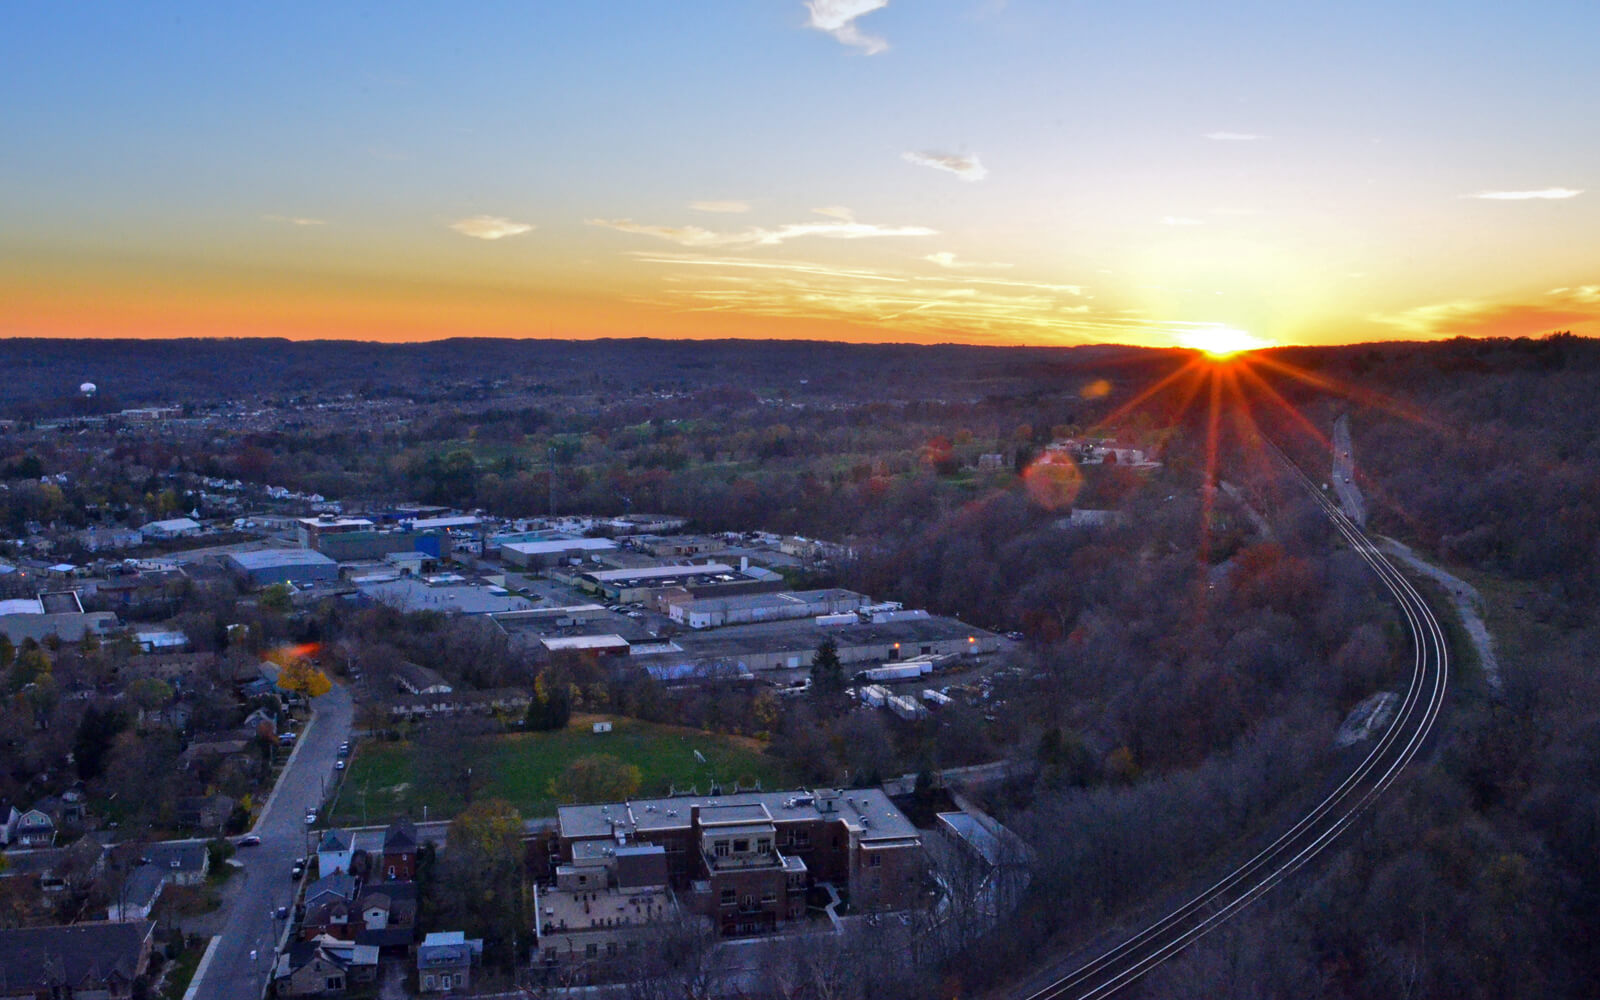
(380, 782)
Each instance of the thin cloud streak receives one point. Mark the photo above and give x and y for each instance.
(490, 227)
(949, 261)
(968, 168)
(838, 18)
(1540, 194)
(841, 225)
(924, 307)
(294, 220)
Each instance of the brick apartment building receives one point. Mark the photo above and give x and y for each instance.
(745, 860)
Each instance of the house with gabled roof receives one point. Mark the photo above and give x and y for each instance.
(89, 960)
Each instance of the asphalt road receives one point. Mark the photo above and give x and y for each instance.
(1104, 974)
(231, 973)
(1344, 473)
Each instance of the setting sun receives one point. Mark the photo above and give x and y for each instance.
(1221, 341)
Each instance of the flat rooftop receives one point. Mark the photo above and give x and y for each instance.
(805, 635)
(866, 811)
(559, 643)
(553, 546)
(643, 573)
(734, 814)
(279, 558)
(465, 599)
(777, 600)
(557, 911)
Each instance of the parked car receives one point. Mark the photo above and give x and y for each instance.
(248, 840)
(298, 870)
(338, 765)
(311, 816)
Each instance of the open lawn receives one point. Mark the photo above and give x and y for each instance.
(380, 783)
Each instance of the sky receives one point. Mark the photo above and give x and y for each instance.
(1049, 172)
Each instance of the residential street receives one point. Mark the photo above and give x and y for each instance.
(250, 926)
(1344, 473)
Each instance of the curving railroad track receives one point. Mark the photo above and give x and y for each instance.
(1111, 970)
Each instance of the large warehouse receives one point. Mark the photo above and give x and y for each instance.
(269, 566)
(790, 645)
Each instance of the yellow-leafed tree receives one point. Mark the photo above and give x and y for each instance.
(301, 677)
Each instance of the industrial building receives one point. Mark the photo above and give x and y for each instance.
(311, 530)
(269, 566)
(715, 612)
(641, 584)
(791, 645)
(176, 527)
(550, 552)
(58, 614)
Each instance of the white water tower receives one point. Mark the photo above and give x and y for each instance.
(87, 389)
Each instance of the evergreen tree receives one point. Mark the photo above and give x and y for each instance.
(827, 678)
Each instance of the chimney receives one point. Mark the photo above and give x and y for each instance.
(744, 564)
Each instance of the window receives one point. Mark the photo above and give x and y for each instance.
(749, 902)
(802, 838)
(721, 848)
(583, 880)
(769, 897)
(728, 897)
(611, 949)
(335, 984)
(877, 861)
(591, 950)
(550, 954)
(741, 847)
(428, 982)
(764, 846)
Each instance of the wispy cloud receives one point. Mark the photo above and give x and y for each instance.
(720, 206)
(963, 166)
(840, 225)
(1180, 220)
(838, 18)
(490, 227)
(948, 260)
(923, 307)
(1538, 194)
(1233, 136)
(1582, 293)
(1559, 309)
(294, 220)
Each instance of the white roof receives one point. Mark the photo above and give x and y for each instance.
(561, 545)
(173, 524)
(445, 937)
(335, 522)
(652, 572)
(426, 523)
(556, 643)
(22, 606)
